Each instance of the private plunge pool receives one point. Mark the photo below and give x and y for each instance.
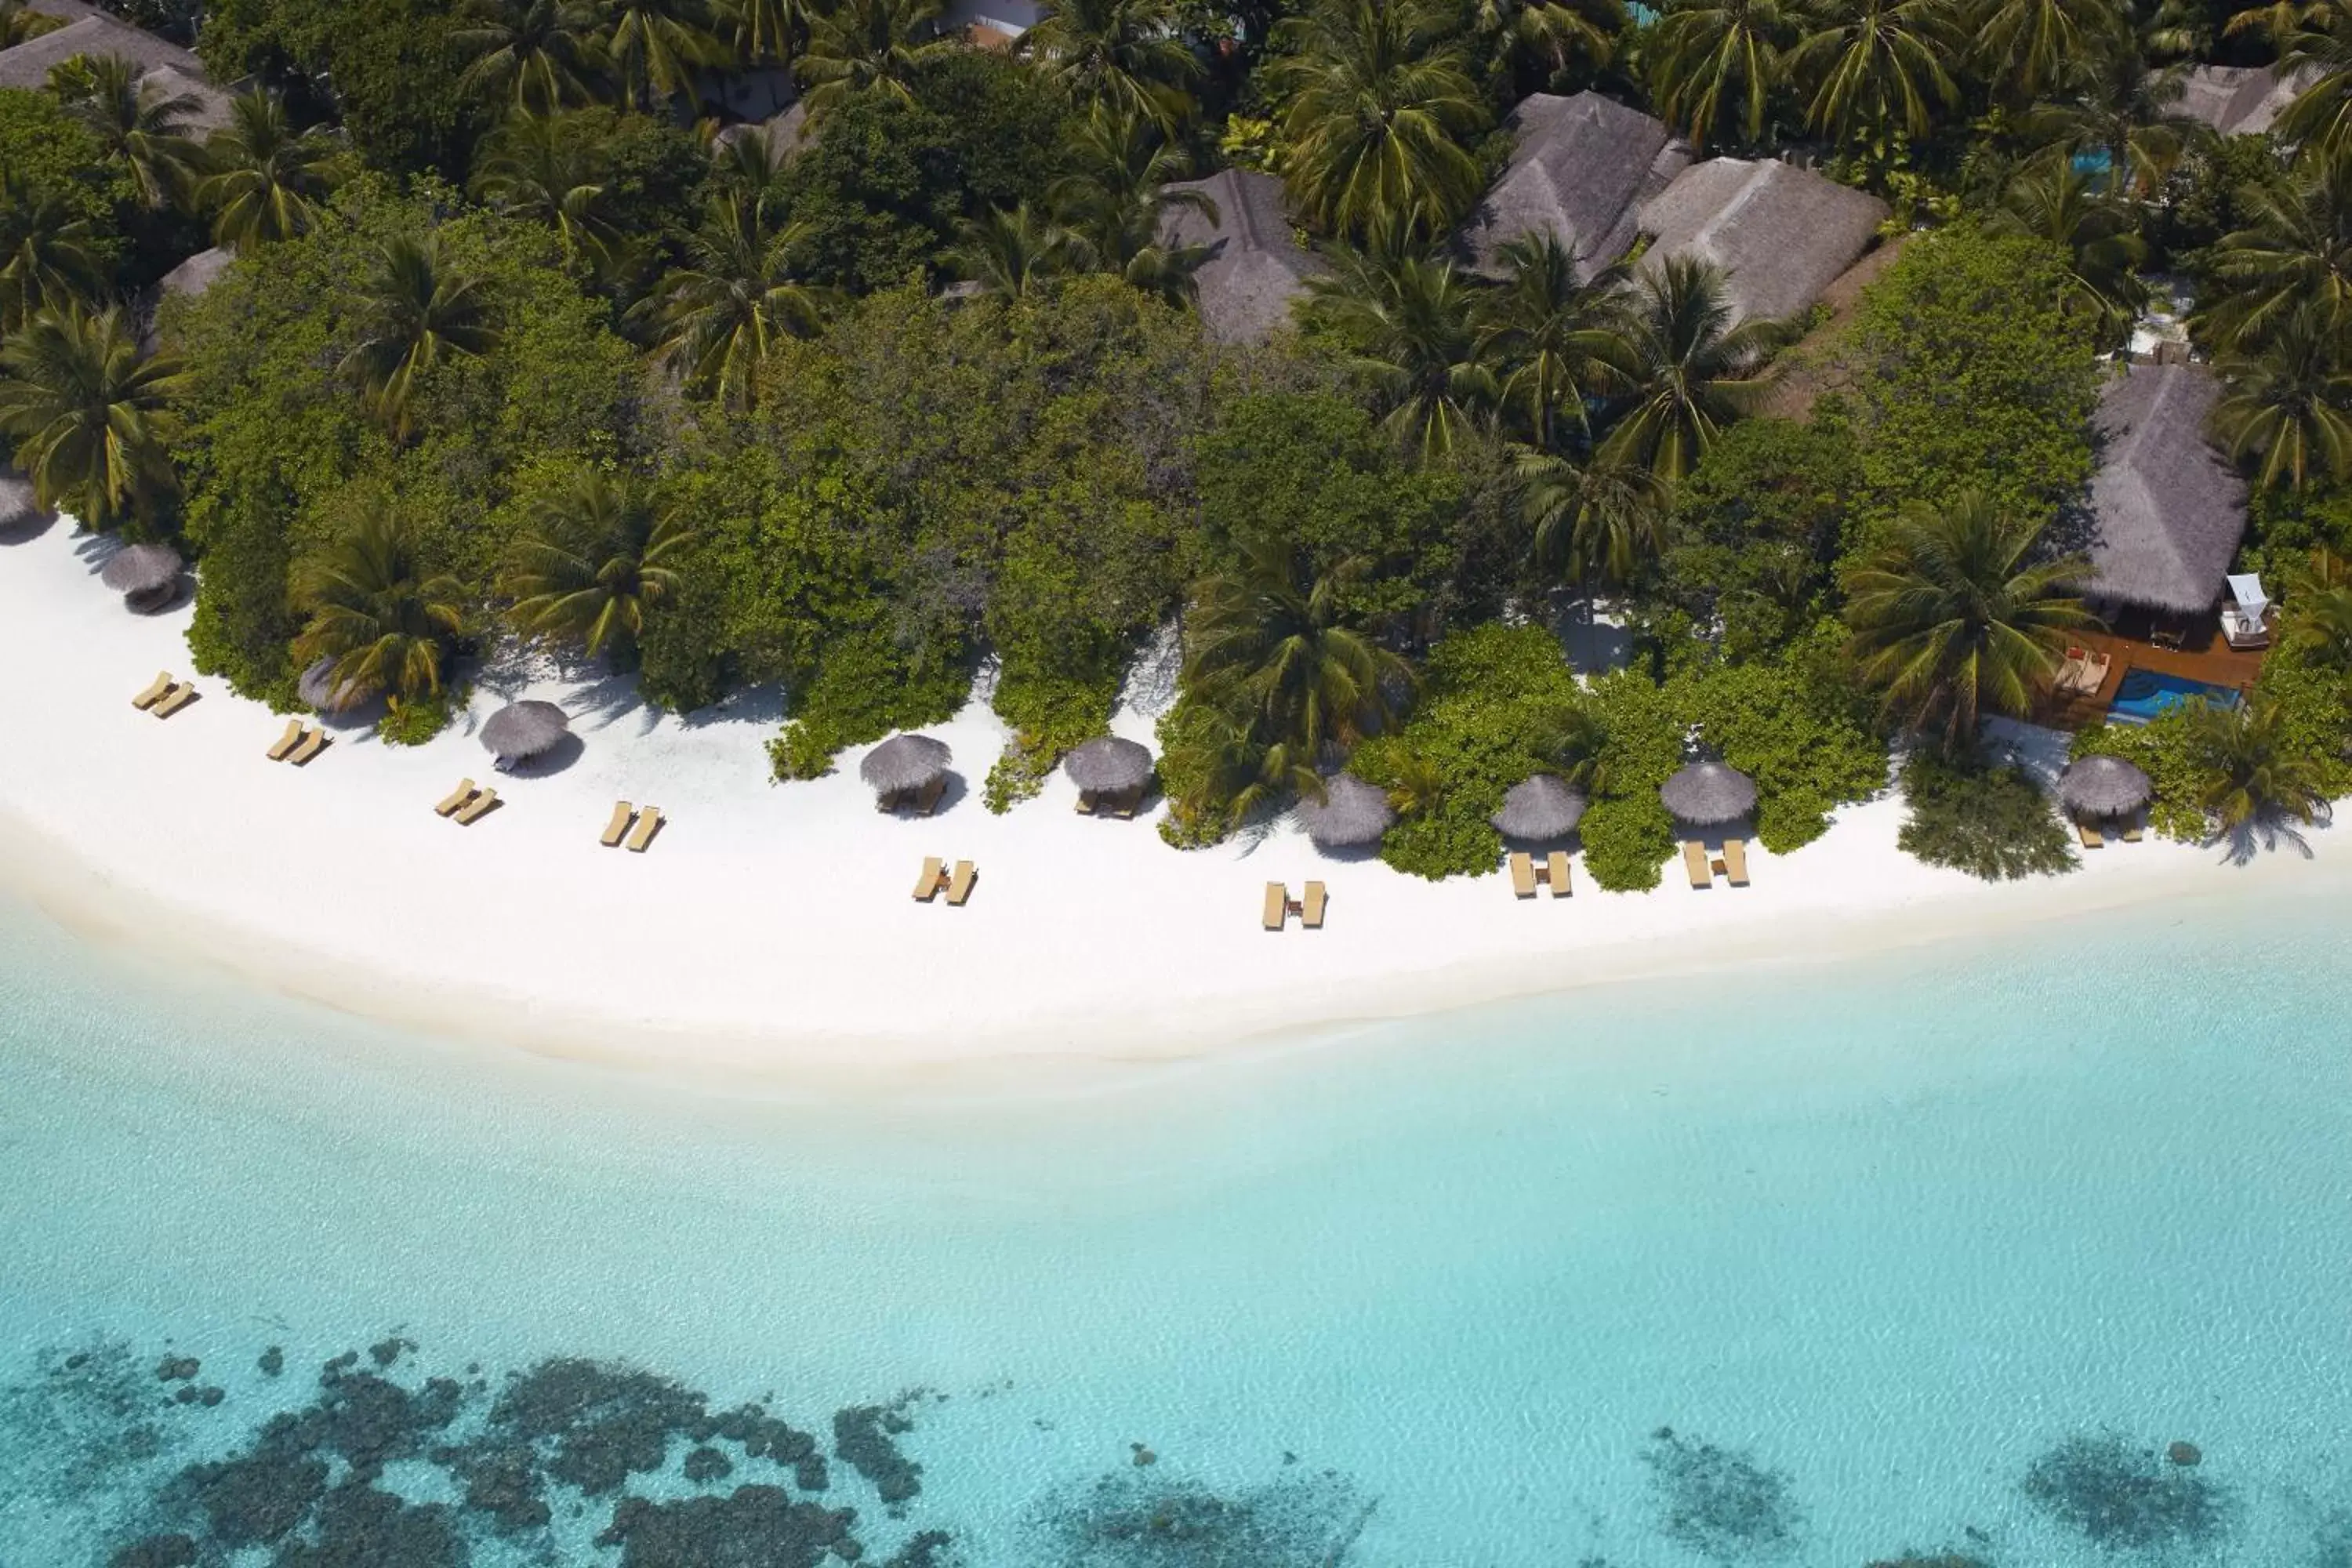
(2143, 694)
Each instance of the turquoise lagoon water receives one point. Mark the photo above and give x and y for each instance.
(1934, 1252)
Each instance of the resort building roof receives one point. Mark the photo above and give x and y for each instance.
(198, 273)
(1580, 169)
(1779, 233)
(169, 67)
(2168, 510)
(786, 134)
(2236, 101)
(1255, 265)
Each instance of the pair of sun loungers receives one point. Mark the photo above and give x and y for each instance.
(468, 804)
(1732, 867)
(649, 821)
(1109, 803)
(299, 745)
(2094, 839)
(1553, 871)
(2084, 672)
(925, 800)
(165, 696)
(937, 879)
(1280, 906)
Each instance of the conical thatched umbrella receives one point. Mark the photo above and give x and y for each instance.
(18, 506)
(1705, 793)
(142, 571)
(1544, 806)
(2101, 786)
(1108, 765)
(322, 695)
(1351, 812)
(520, 730)
(903, 762)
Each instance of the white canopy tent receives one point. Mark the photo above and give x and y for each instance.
(2243, 619)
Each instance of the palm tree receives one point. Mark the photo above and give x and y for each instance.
(2056, 201)
(1547, 35)
(2253, 772)
(752, 167)
(720, 315)
(267, 178)
(2297, 250)
(2025, 48)
(539, 55)
(1953, 618)
(1878, 66)
(1014, 254)
(2115, 102)
(416, 308)
(2319, 609)
(1127, 56)
(760, 32)
(594, 556)
(1592, 522)
(1115, 202)
(1373, 104)
(2314, 39)
(1719, 59)
(1412, 324)
(1688, 370)
(1562, 341)
(533, 168)
(2286, 402)
(88, 413)
(45, 253)
(139, 122)
(866, 45)
(656, 47)
(377, 611)
(20, 24)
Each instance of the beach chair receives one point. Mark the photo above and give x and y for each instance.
(888, 799)
(1087, 800)
(181, 696)
(1734, 861)
(1523, 877)
(649, 821)
(154, 692)
(1702, 875)
(455, 798)
(2131, 834)
(1277, 905)
(928, 801)
(2090, 835)
(1125, 804)
(927, 886)
(1311, 909)
(482, 806)
(312, 744)
(286, 742)
(619, 824)
(1556, 872)
(960, 885)
(2094, 673)
(2070, 671)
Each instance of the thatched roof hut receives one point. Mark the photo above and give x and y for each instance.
(1255, 267)
(1109, 765)
(1350, 813)
(904, 763)
(321, 694)
(1779, 235)
(2236, 101)
(520, 730)
(2167, 510)
(1707, 793)
(142, 571)
(170, 69)
(1545, 806)
(19, 506)
(1580, 169)
(2100, 786)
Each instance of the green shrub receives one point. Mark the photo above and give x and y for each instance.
(1048, 716)
(865, 688)
(1794, 725)
(418, 720)
(1992, 822)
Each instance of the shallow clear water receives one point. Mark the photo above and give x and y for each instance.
(1936, 1251)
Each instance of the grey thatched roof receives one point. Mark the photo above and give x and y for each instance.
(2101, 786)
(2236, 101)
(787, 134)
(1779, 234)
(166, 67)
(18, 505)
(522, 729)
(904, 762)
(137, 569)
(1544, 806)
(1351, 812)
(1705, 793)
(321, 694)
(1256, 266)
(2166, 511)
(1108, 762)
(198, 273)
(1580, 169)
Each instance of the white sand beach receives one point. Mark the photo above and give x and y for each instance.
(771, 927)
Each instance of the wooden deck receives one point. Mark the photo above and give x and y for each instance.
(2203, 655)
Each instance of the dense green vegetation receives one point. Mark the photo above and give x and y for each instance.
(522, 339)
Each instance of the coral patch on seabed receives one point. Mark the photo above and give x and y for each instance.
(1719, 1502)
(862, 1436)
(2125, 1496)
(1132, 1519)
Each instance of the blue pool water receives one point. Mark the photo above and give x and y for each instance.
(1809, 1266)
(2143, 694)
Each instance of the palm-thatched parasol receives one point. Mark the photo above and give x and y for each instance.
(1108, 765)
(1705, 793)
(1350, 813)
(520, 730)
(19, 505)
(2101, 786)
(903, 762)
(1544, 806)
(142, 571)
(321, 694)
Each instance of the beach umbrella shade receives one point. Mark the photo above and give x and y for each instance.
(19, 508)
(137, 571)
(1108, 765)
(320, 693)
(1350, 813)
(1705, 793)
(520, 730)
(2099, 785)
(904, 763)
(1544, 806)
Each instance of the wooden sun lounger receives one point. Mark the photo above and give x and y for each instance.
(312, 744)
(618, 825)
(960, 885)
(182, 695)
(649, 821)
(1310, 909)
(1734, 861)
(1086, 802)
(154, 692)
(928, 885)
(482, 806)
(2131, 834)
(1702, 875)
(927, 800)
(456, 798)
(1277, 905)
(1126, 805)
(1523, 876)
(2090, 835)
(1556, 871)
(889, 800)
(286, 742)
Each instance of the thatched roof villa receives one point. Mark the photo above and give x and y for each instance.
(1256, 266)
(1780, 234)
(2235, 101)
(164, 66)
(2168, 510)
(1580, 169)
